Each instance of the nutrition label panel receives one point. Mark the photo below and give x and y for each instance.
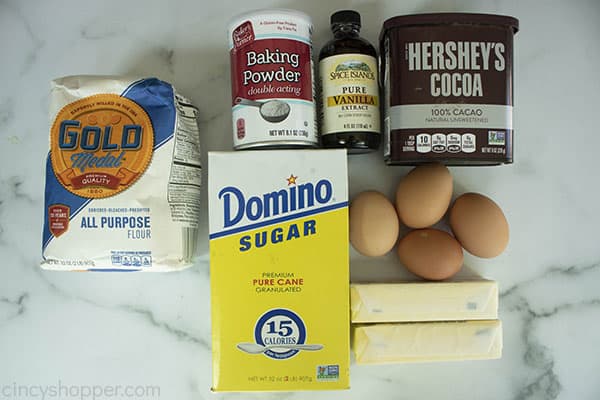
(441, 143)
(186, 171)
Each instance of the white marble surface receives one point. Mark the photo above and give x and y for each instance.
(154, 329)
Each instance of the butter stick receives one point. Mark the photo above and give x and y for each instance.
(427, 342)
(423, 301)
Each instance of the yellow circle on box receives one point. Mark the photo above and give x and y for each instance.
(100, 145)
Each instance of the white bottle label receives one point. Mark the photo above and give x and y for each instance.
(349, 94)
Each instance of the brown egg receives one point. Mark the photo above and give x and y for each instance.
(374, 224)
(431, 254)
(423, 196)
(479, 225)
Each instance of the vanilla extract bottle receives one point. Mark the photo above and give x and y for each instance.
(349, 106)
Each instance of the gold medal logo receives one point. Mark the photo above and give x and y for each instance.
(100, 145)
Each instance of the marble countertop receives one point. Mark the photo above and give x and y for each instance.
(87, 330)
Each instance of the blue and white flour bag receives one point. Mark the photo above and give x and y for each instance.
(123, 176)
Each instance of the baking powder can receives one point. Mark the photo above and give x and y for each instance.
(272, 82)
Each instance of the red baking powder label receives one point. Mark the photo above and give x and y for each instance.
(272, 81)
(241, 128)
(243, 35)
(270, 68)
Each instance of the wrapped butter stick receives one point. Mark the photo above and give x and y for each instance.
(427, 342)
(123, 176)
(424, 301)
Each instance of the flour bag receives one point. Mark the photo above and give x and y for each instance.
(123, 176)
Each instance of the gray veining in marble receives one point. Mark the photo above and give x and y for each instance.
(547, 383)
(12, 308)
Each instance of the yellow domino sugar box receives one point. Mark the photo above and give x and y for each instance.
(279, 269)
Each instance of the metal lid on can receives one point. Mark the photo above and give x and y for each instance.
(450, 19)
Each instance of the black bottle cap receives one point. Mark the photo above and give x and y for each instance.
(345, 17)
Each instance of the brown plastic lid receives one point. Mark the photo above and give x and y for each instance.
(451, 19)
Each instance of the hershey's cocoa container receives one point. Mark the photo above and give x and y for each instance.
(272, 80)
(448, 88)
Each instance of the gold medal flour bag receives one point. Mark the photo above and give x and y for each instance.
(122, 176)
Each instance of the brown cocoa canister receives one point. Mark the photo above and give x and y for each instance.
(448, 88)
